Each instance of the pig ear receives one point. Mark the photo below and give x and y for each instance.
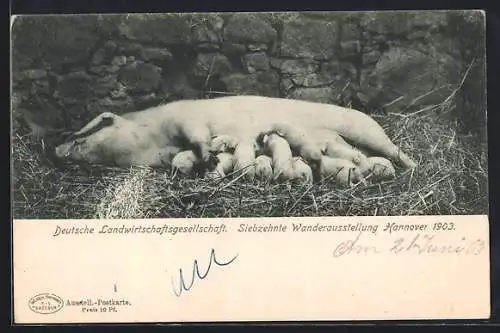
(103, 120)
(259, 140)
(280, 132)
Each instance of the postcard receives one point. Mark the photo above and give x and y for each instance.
(267, 166)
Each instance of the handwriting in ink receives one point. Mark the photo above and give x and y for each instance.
(353, 246)
(424, 244)
(420, 244)
(196, 273)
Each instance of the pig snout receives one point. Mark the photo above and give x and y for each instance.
(63, 150)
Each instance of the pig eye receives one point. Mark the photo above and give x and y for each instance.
(79, 141)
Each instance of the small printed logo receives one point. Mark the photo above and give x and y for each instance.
(45, 303)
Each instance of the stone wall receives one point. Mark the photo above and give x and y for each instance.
(67, 69)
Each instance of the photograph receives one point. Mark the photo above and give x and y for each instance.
(248, 114)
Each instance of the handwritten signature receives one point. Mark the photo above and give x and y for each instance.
(196, 273)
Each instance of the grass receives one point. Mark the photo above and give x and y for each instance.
(451, 179)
